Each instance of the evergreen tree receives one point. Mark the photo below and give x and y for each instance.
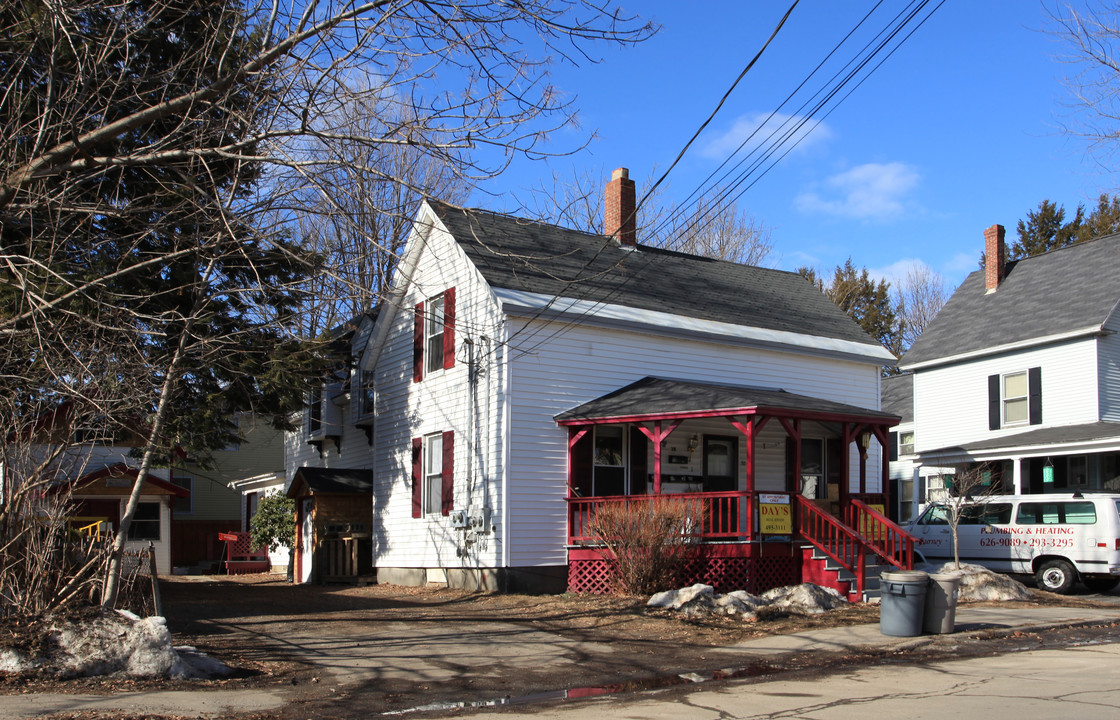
(1045, 229)
(865, 301)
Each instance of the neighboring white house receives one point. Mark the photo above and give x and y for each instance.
(912, 484)
(518, 371)
(1019, 374)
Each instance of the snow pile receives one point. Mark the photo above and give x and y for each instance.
(111, 642)
(700, 600)
(979, 584)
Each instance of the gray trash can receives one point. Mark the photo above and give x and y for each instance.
(941, 603)
(903, 602)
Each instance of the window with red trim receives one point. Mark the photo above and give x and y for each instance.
(433, 340)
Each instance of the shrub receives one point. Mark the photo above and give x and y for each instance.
(650, 541)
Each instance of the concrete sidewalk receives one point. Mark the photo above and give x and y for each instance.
(347, 662)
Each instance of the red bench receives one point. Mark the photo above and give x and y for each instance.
(241, 557)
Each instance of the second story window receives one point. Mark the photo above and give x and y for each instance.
(433, 336)
(906, 443)
(1015, 398)
(314, 412)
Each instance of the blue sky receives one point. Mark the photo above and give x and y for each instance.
(958, 130)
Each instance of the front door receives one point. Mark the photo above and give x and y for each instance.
(720, 462)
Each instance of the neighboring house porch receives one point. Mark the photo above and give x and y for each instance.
(772, 471)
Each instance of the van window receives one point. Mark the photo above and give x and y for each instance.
(935, 515)
(1056, 513)
(996, 514)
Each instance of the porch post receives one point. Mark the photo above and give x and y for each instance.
(862, 462)
(657, 457)
(885, 467)
(793, 430)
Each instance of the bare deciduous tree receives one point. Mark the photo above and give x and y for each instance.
(156, 160)
(918, 297)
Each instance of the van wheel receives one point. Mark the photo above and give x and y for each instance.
(1102, 584)
(1057, 576)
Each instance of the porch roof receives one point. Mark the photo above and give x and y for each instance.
(1042, 438)
(654, 398)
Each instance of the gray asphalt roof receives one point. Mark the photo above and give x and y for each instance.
(519, 254)
(1064, 434)
(1056, 292)
(336, 480)
(659, 396)
(898, 396)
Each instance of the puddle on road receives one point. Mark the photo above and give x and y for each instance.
(588, 692)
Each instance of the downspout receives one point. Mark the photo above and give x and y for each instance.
(503, 432)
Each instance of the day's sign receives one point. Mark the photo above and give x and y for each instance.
(774, 517)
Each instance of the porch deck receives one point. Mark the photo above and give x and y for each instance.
(751, 540)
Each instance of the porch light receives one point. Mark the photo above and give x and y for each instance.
(693, 443)
(865, 440)
(1048, 473)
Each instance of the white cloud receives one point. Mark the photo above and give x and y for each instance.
(767, 130)
(873, 191)
(897, 270)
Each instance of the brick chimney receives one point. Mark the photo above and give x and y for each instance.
(620, 222)
(995, 257)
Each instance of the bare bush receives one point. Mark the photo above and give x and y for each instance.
(649, 540)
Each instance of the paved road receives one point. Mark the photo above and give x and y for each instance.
(1075, 683)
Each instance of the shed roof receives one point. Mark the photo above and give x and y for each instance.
(652, 397)
(332, 480)
(524, 255)
(1064, 290)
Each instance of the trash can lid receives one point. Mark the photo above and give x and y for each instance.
(945, 577)
(905, 576)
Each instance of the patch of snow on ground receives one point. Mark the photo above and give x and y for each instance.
(114, 642)
(979, 584)
(698, 600)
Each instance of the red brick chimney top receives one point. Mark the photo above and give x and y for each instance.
(995, 257)
(619, 220)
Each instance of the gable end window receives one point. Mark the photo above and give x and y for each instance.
(433, 341)
(1015, 399)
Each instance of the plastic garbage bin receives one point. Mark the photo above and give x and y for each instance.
(903, 602)
(941, 603)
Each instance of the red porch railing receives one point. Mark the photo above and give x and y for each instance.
(832, 537)
(883, 536)
(727, 515)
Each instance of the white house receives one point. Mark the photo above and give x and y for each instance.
(1019, 375)
(520, 373)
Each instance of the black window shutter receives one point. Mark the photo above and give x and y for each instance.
(893, 442)
(1034, 390)
(994, 415)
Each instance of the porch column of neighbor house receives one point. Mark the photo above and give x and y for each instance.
(1017, 475)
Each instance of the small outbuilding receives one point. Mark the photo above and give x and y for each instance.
(333, 509)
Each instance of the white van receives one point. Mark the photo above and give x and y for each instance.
(1058, 538)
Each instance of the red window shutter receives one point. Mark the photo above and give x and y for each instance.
(417, 479)
(418, 344)
(447, 499)
(449, 328)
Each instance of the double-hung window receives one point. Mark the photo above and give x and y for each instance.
(433, 346)
(433, 472)
(433, 334)
(1015, 398)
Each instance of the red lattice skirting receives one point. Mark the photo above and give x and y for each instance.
(590, 573)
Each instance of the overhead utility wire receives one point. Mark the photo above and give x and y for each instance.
(655, 258)
(790, 128)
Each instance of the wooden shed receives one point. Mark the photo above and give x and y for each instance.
(333, 511)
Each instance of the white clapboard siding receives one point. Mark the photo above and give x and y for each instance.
(951, 403)
(1108, 373)
(585, 362)
(440, 402)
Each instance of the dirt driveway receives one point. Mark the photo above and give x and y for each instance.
(384, 648)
